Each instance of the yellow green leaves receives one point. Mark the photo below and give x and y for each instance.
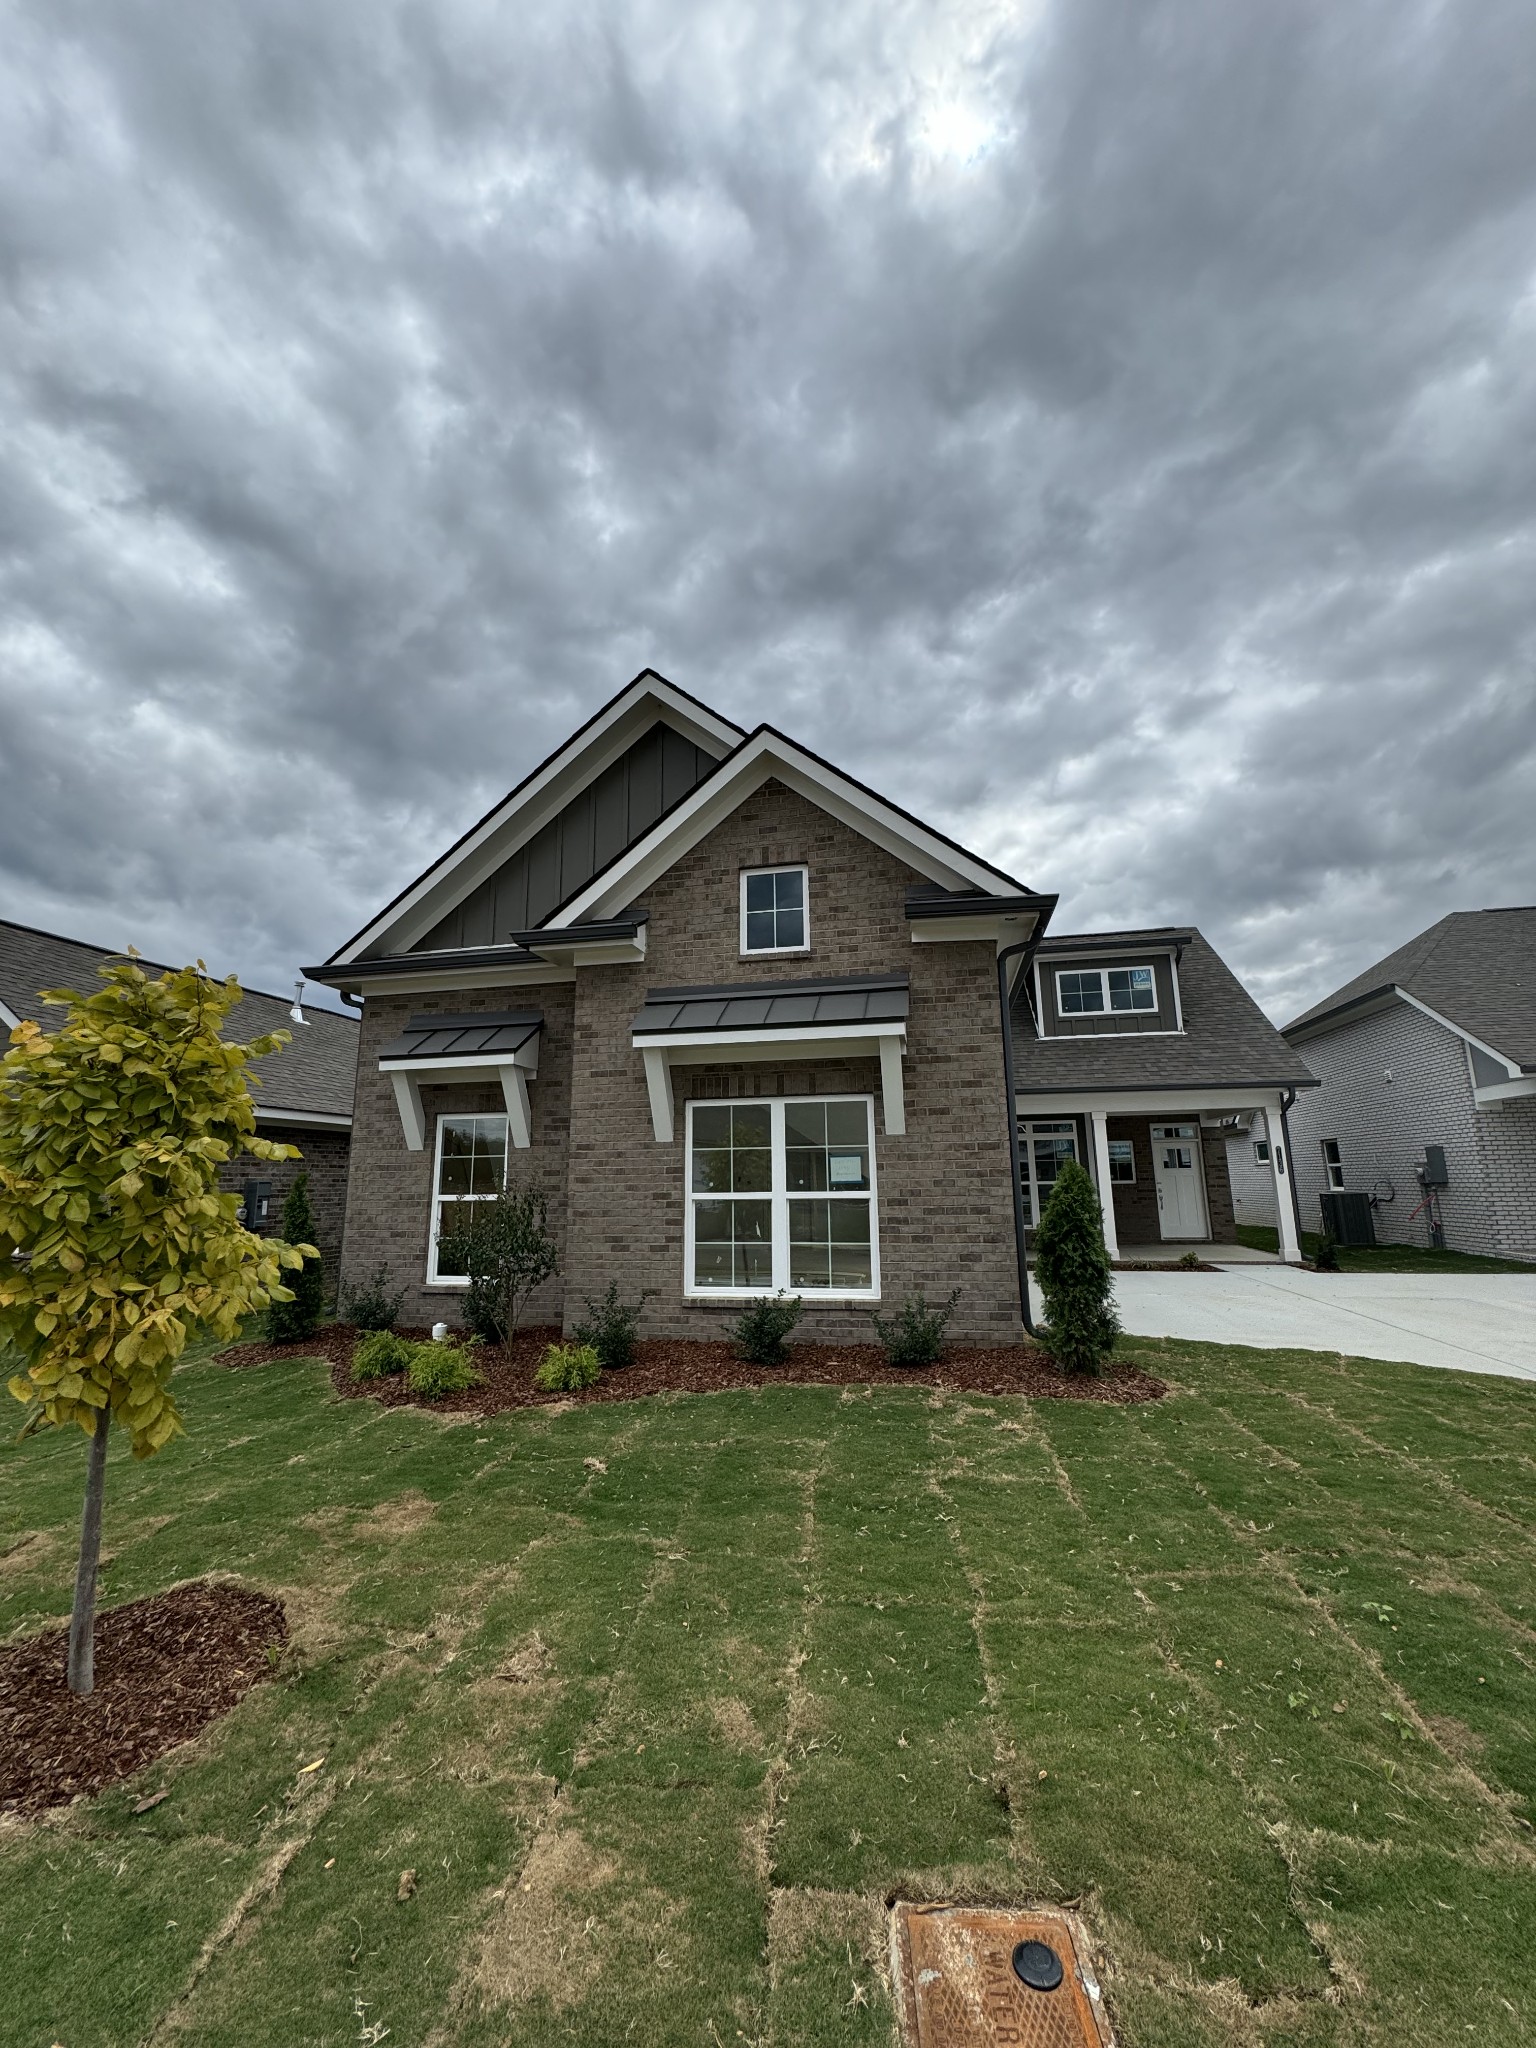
(112, 1133)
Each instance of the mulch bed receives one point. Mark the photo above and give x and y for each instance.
(165, 1668)
(693, 1366)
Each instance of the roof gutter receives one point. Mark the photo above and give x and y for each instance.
(1287, 1098)
(1015, 1164)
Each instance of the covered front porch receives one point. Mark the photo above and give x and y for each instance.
(1158, 1160)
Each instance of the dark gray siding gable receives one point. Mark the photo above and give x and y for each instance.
(1108, 1023)
(608, 815)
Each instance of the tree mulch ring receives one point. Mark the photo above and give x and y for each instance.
(165, 1668)
(683, 1365)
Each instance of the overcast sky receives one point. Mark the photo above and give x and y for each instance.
(1109, 428)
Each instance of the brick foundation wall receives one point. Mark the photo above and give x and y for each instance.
(945, 1212)
(389, 1215)
(325, 1160)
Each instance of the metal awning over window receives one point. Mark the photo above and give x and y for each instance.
(858, 1016)
(432, 1049)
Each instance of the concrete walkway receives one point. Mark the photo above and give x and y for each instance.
(1471, 1323)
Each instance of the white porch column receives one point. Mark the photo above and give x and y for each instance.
(1280, 1169)
(1098, 1137)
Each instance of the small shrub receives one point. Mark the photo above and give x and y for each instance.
(567, 1368)
(1326, 1257)
(288, 1322)
(437, 1369)
(1191, 1262)
(915, 1334)
(1073, 1269)
(371, 1306)
(380, 1355)
(761, 1330)
(610, 1326)
(508, 1250)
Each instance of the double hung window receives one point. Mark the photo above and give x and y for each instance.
(1333, 1163)
(1043, 1150)
(1091, 991)
(1122, 1160)
(775, 915)
(782, 1194)
(471, 1167)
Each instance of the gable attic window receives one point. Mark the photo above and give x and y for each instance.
(1089, 991)
(775, 913)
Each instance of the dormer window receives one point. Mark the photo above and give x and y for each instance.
(1085, 991)
(775, 913)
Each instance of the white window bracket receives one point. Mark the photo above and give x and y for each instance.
(887, 1042)
(513, 1074)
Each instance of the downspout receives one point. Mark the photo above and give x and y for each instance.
(1287, 1097)
(1004, 956)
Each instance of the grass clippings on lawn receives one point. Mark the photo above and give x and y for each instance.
(664, 1699)
(694, 1366)
(165, 1668)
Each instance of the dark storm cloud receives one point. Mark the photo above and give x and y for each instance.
(1108, 428)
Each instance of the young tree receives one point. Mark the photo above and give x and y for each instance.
(1073, 1269)
(115, 1242)
(507, 1249)
(289, 1321)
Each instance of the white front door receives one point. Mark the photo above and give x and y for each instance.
(1176, 1169)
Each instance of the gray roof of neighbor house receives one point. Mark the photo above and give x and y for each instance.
(769, 1005)
(1476, 967)
(1227, 1041)
(314, 1076)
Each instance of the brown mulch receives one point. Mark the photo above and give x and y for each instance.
(165, 1668)
(694, 1366)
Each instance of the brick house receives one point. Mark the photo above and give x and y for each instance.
(743, 1021)
(1434, 1046)
(303, 1094)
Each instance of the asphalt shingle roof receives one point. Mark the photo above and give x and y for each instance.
(1227, 1041)
(315, 1075)
(1476, 967)
(768, 1005)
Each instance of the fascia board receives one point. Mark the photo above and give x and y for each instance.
(1371, 1004)
(8, 1018)
(767, 756)
(529, 807)
(1505, 1091)
(773, 1034)
(541, 975)
(699, 1048)
(1461, 1031)
(1165, 1102)
(940, 931)
(598, 952)
(315, 1119)
(472, 1067)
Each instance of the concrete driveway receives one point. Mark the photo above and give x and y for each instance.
(1472, 1323)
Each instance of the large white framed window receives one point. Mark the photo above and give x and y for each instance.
(775, 910)
(1091, 991)
(781, 1194)
(471, 1166)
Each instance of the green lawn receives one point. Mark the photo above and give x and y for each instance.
(1247, 1672)
(1383, 1258)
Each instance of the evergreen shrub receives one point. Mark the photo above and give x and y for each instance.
(915, 1334)
(372, 1306)
(288, 1322)
(380, 1355)
(610, 1326)
(760, 1333)
(1073, 1270)
(567, 1368)
(437, 1369)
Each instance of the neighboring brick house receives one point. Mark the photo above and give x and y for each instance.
(1434, 1046)
(743, 1020)
(304, 1092)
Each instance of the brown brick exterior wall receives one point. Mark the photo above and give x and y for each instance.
(1218, 1187)
(945, 1213)
(389, 1215)
(325, 1160)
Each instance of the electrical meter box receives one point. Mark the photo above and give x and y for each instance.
(1432, 1173)
(256, 1200)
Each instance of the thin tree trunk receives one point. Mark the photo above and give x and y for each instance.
(82, 1622)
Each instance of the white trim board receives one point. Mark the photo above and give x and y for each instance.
(1169, 1105)
(306, 1119)
(768, 756)
(663, 1050)
(529, 807)
(8, 1018)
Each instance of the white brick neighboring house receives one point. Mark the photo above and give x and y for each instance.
(1435, 1045)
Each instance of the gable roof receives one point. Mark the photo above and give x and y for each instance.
(1475, 970)
(1227, 1040)
(535, 801)
(313, 1076)
(766, 754)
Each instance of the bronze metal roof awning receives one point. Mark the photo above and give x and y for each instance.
(501, 1045)
(858, 1015)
